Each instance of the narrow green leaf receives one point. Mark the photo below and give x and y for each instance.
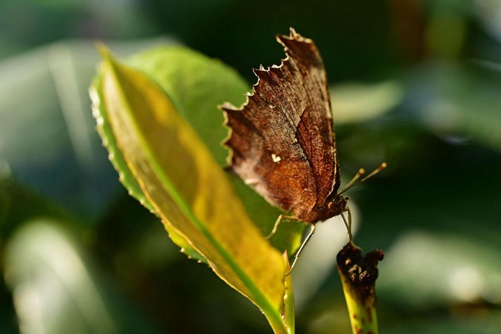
(289, 306)
(187, 188)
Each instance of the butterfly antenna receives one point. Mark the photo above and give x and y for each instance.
(353, 181)
(375, 171)
(356, 179)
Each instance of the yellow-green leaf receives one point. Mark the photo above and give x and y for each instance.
(187, 188)
(126, 176)
(197, 85)
(289, 307)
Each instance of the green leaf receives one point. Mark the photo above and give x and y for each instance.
(357, 102)
(183, 184)
(126, 176)
(56, 284)
(197, 85)
(289, 306)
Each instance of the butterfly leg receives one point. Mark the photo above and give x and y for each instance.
(277, 224)
(347, 223)
(298, 253)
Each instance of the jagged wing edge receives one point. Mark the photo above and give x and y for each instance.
(228, 108)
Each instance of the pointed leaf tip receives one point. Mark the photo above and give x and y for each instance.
(191, 194)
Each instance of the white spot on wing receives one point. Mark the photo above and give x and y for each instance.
(275, 158)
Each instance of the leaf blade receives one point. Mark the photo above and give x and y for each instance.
(126, 176)
(190, 192)
(197, 85)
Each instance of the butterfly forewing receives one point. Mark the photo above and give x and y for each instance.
(281, 140)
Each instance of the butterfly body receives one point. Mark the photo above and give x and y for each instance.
(282, 139)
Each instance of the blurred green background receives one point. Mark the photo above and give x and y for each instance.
(414, 83)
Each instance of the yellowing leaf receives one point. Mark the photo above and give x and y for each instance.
(185, 186)
(197, 85)
(127, 178)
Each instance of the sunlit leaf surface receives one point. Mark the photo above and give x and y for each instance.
(185, 186)
(198, 85)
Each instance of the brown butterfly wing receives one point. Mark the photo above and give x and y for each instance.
(282, 141)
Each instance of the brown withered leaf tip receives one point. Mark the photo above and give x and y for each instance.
(282, 139)
(361, 271)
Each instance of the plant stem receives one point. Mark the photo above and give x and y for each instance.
(358, 275)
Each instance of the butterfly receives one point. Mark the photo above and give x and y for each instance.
(282, 140)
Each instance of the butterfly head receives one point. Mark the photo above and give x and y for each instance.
(337, 205)
(334, 206)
